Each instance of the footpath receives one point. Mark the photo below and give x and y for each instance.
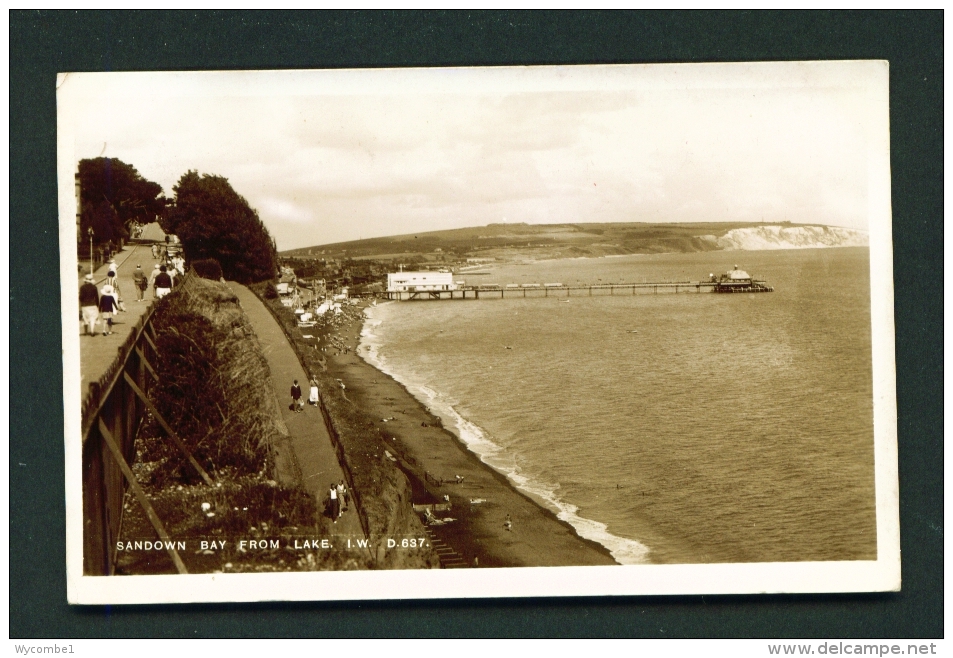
(97, 353)
(313, 450)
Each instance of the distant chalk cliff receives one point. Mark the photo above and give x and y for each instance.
(787, 237)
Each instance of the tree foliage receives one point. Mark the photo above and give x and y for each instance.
(103, 219)
(214, 221)
(113, 195)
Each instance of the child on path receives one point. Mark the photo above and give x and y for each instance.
(113, 281)
(295, 396)
(107, 306)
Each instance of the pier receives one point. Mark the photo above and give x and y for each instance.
(536, 290)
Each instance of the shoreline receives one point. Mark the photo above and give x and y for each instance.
(474, 440)
(432, 456)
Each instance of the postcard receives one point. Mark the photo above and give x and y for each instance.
(478, 332)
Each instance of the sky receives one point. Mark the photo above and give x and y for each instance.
(331, 156)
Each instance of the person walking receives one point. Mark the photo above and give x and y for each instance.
(340, 490)
(89, 303)
(113, 281)
(335, 507)
(295, 397)
(155, 251)
(313, 398)
(342, 496)
(107, 307)
(163, 283)
(140, 281)
(152, 280)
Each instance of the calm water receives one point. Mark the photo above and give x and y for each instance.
(728, 428)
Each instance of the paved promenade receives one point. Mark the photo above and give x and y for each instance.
(311, 447)
(310, 441)
(97, 353)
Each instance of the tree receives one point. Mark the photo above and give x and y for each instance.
(213, 221)
(104, 221)
(131, 197)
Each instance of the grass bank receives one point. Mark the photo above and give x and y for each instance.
(214, 388)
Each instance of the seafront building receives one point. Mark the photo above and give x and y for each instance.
(420, 282)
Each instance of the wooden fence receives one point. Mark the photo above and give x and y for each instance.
(112, 413)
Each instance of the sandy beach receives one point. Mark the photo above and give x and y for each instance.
(438, 466)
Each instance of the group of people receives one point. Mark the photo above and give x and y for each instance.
(338, 500)
(104, 303)
(175, 265)
(161, 280)
(95, 303)
(296, 404)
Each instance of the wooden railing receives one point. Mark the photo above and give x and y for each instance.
(112, 413)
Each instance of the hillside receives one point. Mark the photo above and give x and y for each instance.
(539, 241)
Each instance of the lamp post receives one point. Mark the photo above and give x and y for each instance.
(91, 268)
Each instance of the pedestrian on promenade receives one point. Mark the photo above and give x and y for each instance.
(89, 303)
(295, 397)
(113, 267)
(155, 251)
(342, 496)
(152, 280)
(140, 281)
(113, 281)
(163, 283)
(313, 398)
(340, 490)
(107, 307)
(334, 503)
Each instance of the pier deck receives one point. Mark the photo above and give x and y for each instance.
(537, 290)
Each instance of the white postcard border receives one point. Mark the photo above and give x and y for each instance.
(756, 578)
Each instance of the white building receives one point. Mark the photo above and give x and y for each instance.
(420, 281)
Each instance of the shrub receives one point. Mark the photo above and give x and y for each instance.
(208, 268)
(209, 386)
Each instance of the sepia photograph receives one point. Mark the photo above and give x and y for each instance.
(478, 332)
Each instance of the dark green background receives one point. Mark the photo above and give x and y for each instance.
(44, 43)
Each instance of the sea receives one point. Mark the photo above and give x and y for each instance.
(671, 428)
